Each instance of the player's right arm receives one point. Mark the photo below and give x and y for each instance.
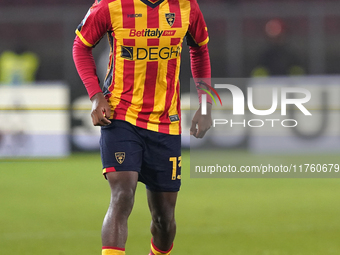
(93, 27)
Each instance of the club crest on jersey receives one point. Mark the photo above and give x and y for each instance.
(120, 157)
(170, 18)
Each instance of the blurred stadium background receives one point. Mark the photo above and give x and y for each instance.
(53, 198)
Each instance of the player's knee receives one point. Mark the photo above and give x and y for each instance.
(123, 199)
(164, 222)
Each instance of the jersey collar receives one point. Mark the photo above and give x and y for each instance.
(152, 4)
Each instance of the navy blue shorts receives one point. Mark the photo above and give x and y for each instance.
(155, 156)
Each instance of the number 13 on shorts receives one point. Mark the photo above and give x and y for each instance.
(176, 163)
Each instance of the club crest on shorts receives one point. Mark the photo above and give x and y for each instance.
(170, 18)
(120, 156)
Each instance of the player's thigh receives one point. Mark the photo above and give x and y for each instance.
(122, 182)
(121, 148)
(123, 187)
(162, 205)
(121, 152)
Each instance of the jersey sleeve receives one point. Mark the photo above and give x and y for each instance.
(86, 67)
(197, 34)
(95, 24)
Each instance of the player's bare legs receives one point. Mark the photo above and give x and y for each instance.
(123, 187)
(163, 225)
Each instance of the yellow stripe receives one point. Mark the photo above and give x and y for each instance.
(163, 24)
(112, 252)
(140, 23)
(153, 127)
(157, 252)
(83, 39)
(173, 130)
(116, 15)
(185, 14)
(204, 42)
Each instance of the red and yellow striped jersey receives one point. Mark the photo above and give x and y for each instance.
(142, 83)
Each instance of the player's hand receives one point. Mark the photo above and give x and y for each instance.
(101, 110)
(201, 123)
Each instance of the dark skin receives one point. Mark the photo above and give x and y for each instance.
(101, 111)
(123, 186)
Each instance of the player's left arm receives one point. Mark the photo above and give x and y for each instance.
(197, 39)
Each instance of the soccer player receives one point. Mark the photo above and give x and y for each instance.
(138, 108)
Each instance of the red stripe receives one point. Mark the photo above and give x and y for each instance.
(128, 84)
(153, 17)
(148, 94)
(110, 169)
(175, 8)
(170, 78)
(179, 106)
(128, 8)
(153, 42)
(113, 248)
(175, 41)
(129, 42)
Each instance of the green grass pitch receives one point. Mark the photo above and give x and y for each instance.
(56, 207)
